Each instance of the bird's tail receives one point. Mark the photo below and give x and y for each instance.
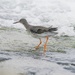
(52, 29)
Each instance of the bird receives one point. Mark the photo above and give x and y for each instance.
(39, 32)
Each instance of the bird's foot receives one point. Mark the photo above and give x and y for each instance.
(36, 47)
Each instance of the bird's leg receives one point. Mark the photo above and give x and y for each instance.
(45, 45)
(38, 44)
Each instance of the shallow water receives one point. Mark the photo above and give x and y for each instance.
(19, 57)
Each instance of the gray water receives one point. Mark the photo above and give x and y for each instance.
(19, 57)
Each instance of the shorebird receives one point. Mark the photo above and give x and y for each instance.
(39, 32)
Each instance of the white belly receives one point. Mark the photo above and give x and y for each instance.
(42, 35)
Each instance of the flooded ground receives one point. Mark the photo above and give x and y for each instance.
(19, 57)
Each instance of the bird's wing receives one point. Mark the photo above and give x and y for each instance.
(38, 29)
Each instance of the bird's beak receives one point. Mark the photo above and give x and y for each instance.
(16, 22)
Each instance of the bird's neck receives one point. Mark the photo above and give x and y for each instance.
(26, 25)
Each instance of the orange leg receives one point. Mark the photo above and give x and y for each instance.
(38, 44)
(45, 45)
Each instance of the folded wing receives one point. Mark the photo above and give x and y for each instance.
(40, 29)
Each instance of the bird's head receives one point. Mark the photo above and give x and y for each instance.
(21, 21)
